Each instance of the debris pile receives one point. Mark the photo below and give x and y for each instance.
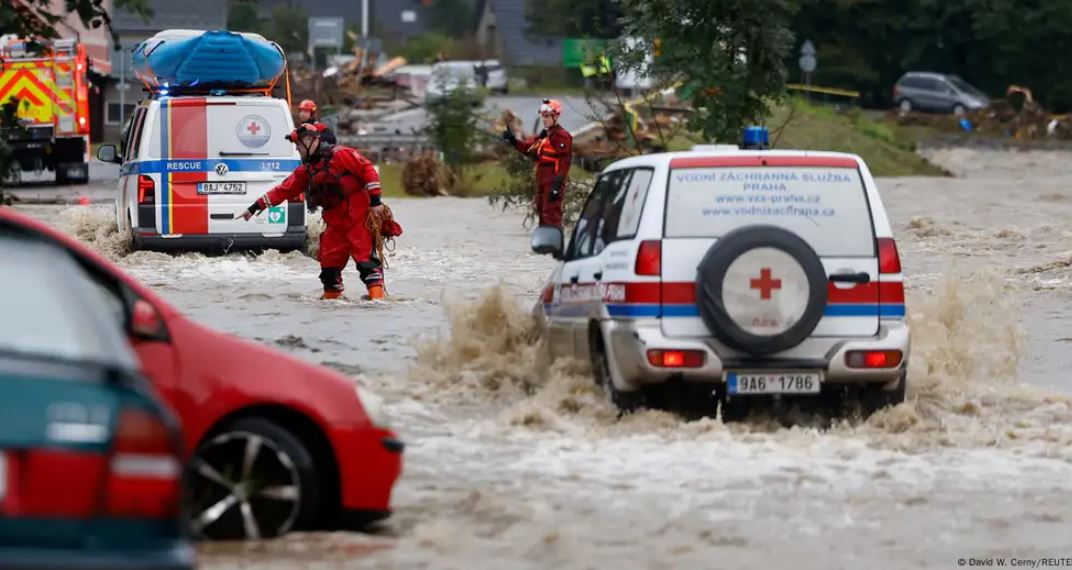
(638, 127)
(425, 175)
(1017, 116)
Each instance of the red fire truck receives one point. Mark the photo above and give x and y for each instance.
(48, 81)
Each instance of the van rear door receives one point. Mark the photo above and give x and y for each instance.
(822, 200)
(216, 156)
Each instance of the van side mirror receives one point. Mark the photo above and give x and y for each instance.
(547, 240)
(108, 153)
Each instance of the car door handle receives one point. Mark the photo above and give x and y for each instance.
(598, 275)
(861, 277)
(575, 279)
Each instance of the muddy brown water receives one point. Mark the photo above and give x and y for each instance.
(515, 462)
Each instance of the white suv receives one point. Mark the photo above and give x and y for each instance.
(744, 273)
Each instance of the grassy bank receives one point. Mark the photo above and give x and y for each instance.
(889, 150)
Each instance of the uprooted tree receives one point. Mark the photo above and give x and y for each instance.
(728, 57)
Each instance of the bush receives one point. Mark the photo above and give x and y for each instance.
(453, 127)
(425, 47)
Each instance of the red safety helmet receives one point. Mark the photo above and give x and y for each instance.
(551, 106)
(303, 129)
(307, 105)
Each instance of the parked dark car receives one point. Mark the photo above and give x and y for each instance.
(937, 92)
(90, 459)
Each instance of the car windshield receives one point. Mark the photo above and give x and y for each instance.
(964, 87)
(50, 309)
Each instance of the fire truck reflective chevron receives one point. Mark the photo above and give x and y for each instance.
(49, 82)
(51, 88)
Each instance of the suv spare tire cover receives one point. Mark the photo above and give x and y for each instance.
(761, 289)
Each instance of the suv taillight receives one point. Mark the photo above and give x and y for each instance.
(649, 258)
(891, 296)
(888, 259)
(144, 470)
(146, 189)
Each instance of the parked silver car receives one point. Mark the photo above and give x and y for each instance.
(937, 92)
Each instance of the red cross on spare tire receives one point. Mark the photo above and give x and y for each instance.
(761, 289)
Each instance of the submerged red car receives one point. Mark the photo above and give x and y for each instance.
(273, 443)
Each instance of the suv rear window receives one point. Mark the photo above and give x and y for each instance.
(237, 130)
(827, 207)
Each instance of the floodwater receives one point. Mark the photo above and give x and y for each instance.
(515, 462)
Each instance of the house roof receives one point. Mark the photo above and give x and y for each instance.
(169, 14)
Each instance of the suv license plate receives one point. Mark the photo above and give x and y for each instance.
(221, 187)
(773, 382)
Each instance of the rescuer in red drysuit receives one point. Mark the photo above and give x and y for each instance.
(346, 185)
(552, 151)
(307, 114)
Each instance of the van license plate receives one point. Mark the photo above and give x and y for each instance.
(221, 187)
(773, 382)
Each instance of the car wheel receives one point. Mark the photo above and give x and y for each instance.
(905, 105)
(959, 110)
(874, 398)
(252, 480)
(778, 313)
(601, 371)
(134, 244)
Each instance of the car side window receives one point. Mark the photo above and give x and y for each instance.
(633, 193)
(134, 141)
(934, 85)
(612, 208)
(583, 233)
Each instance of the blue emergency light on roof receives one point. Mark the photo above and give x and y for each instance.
(755, 138)
(182, 59)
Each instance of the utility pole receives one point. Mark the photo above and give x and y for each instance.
(364, 18)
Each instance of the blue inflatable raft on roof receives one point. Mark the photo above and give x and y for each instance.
(208, 59)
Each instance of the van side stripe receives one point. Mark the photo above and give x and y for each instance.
(692, 311)
(189, 140)
(165, 225)
(209, 165)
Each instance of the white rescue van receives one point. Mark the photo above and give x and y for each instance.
(748, 274)
(189, 163)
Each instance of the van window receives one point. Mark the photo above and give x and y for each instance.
(245, 129)
(633, 196)
(826, 207)
(612, 187)
(586, 236)
(134, 141)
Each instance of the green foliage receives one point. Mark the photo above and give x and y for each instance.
(242, 17)
(452, 18)
(868, 44)
(289, 28)
(453, 126)
(424, 48)
(730, 55)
